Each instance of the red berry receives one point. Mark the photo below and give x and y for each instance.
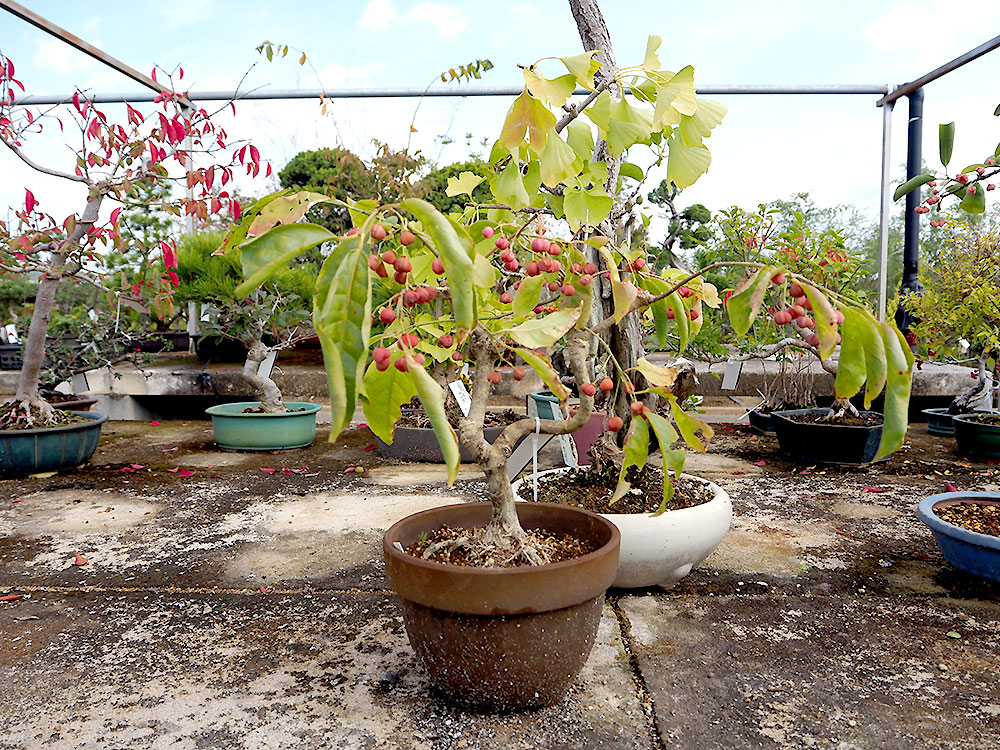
(639, 263)
(670, 313)
(380, 352)
(419, 358)
(406, 238)
(437, 266)
(614, 424)
(991, 186)
(589, 268)
(812, 339)
(538, 245)
(457, 356)
(494, 377)
(607, 384)
(409, 299)
(553, 286)
(518, 373)
(962, 178)
(838, 316)
(779, 317)
(796, 290)
(502, 243)
(378, 232)
(506, 256)
(487, 232)
(778, 279)
(796, 311)
(685, 292)
(576, 268)
(445, 340)
(531, 269)
(505, 298)
(387, 315)
(554, 248)
(352, 231)
(637, 407)
(389, 257)
(382, 364)
(588, 389)
(512, 266)
(694, 314)
(971, 190)
(400, 364)
(399, 277)
(568, 290)
(586, 280)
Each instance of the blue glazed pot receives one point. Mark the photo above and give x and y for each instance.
(939, 422)
(972, 552)
(50, 448)
(236, 431)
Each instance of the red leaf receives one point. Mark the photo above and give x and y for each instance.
(949, 487)
(269, 471)
(174, 470)
(154, 74)
(263, 590)
(349, 469)
(873, 489)
(79, 559)
(237, 209)
(115, 214)
(760, 463)
(209, 177)
(185, 473)
(254, 154)
(370, 447)
(29, 200)
(169, 450)
(268, 172)
(10, 597)
(138, 466)
(10, 68)
(154, 423)
(174, 278)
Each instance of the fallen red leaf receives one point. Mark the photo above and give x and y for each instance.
(168, 450)
(873, 489)
(349, 469)
(138, 466)
(269, 471)
(263, 590)
(16, 500)
(154, 423)
(760, 463)
(128, 469)
(174, 470)
(364, 425)
(185, 473)
(370, 447)
(738, 473)
(10, 597)
(949, 487)
(805, 471)
(79, 559)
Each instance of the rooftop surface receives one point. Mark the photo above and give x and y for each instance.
(222, 605)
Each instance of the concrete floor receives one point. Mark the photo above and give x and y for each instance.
(240, 608)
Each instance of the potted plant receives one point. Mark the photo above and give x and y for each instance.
(113, 156)
(966, 526)
(477, 288)
(260, 325)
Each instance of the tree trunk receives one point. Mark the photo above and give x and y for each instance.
(624, 339)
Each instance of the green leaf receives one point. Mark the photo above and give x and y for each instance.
(432, 397)
(946, 141)
(238, 234)
(558, 161)
(484, 275)
(870, 335)
(586, 207)
(527, 115)
(690, 425)
(583, 67)
(553, 92)
(274, 250)
(541, 364)
(651, 63)
(527, 296)
(599, 111)
(745, 302)
(386, 392)
(686, 164)
(632, 171)
(286, 210)
(661, 319)
(538, 333)
(360, 211)
(897, 391)
(580, 138)
(974, 203)
(673, 460)
(509, 187)
(627, 126)
(675, 98)
(636, 452)
(851, 367)
(698, 126)
(465, 183)
(342, 318)
(826, 320)
(457, 263)
(911, 184)
(623, 294)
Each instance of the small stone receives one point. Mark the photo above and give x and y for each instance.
(943, 667)
(388, 680)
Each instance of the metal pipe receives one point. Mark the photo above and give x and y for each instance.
(958, 62)
(74, 41)
(911, 220)
(414, 93)
(885, 207)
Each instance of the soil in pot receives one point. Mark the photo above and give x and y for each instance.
(987, 418)
(60, 418)
(977, 517)
(260, 410)
(443, 547)
(592, 490)
(865, 419)
(418, 418)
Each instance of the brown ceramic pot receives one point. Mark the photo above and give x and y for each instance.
(501, 639)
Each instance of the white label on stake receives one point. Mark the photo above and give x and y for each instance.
(732, 376)
(461, 395)
(267, 366)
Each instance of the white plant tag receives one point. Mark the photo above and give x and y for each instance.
(732, 376)
(10, 334)
(267, 366)
(461, 395)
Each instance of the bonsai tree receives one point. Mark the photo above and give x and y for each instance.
(113, 159)
(482, 285)
(961, 302)
(269, 320)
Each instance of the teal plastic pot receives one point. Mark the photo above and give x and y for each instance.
(976, 439)
(50, 448)
(236, 431)
(939, 422)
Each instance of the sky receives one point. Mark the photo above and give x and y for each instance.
(768, 147)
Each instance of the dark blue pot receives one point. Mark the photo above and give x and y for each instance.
(50, 448)
(974, 553)
(818, 443)
(939, 422)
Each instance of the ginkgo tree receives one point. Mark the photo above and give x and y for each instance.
(490, 285)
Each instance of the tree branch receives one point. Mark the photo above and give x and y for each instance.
(45, 170)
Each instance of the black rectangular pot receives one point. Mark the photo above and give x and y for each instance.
(825, 443)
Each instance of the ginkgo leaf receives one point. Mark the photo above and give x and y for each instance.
(627, 125)
(686, 163)
(583, 67)
(466, 182)
(530, 116)
(675, 98)
(581, 139)
(586, 207)
(558, 161)
(553, 92)
(652, 61)
(509, 187)
(699, 125)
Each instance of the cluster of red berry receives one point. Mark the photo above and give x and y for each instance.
(797, 312)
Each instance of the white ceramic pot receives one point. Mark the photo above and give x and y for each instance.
(661, 550)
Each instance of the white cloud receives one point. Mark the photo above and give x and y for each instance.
(57, 56)
(930, 26)
(447, 20)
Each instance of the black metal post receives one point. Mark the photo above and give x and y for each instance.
(911, 220)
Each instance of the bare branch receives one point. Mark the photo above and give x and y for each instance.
(45, 170)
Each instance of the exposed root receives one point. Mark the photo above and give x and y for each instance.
(839, 410)
(447, 547)
(32, 414)
(495, 548)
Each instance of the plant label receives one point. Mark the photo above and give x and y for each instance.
(267, 366)
(462, 396)
(732, 377)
